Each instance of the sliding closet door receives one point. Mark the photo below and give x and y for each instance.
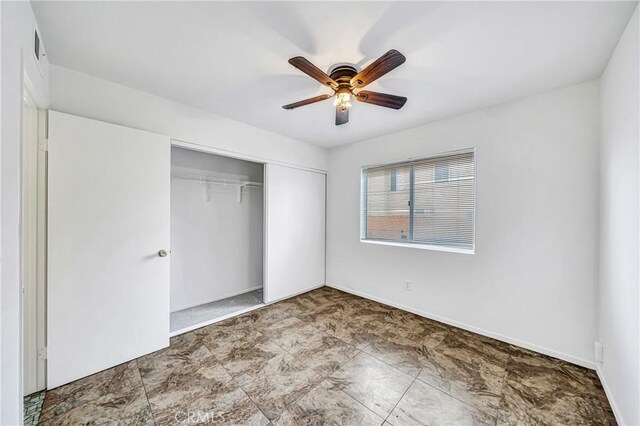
(295, 237)
(108, 282)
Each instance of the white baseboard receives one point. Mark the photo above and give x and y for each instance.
(517, 342)
(607, 391)
(215, 299)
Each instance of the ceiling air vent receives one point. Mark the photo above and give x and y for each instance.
(36, 45)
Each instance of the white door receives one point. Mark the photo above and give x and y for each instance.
(295, 231)
(108, 288)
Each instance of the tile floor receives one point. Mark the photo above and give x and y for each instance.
(32, 407)
(330, 358)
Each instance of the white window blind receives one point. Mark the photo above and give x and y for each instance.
(427, 202)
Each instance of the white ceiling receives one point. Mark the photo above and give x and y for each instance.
(231, 58)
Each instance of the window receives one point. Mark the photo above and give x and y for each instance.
(427, 203)
(442, 171)
(396, 180)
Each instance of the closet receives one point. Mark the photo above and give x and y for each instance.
(149, 237)
(216, 237)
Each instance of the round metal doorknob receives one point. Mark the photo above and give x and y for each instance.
(162, 253)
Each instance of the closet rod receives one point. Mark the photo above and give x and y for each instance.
(217, 180)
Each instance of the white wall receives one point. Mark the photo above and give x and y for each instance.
(216, 245)
(87, 96)
(17, 26)
(619, 320)
(532, 280)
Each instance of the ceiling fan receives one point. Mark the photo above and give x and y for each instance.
(345, 78)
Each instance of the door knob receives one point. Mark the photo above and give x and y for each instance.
(162, 253)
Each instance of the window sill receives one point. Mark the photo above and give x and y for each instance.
(420, 246)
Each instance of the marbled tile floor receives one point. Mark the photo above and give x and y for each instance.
(32, 407)
(330, 358)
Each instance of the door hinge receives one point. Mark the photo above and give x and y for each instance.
(43, 145)
(42, 353)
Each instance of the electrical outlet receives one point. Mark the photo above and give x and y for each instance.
(407, 285)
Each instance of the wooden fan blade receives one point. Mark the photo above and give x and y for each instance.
(385, 63)
(342, 116)
(381, 99)
(312, 71)
(307, 102)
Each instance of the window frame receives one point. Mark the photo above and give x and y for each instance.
(411, 244)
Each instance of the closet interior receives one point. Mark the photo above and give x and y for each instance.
(216, 237)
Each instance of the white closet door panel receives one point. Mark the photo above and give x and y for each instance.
(295, 223)
(108, 290)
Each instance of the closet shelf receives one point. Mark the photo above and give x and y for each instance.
(216, 180)
(209, 180)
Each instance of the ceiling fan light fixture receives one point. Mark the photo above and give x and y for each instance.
(343, 100)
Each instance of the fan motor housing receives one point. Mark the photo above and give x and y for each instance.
(343, 74)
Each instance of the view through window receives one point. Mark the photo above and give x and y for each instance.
(429, 202)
